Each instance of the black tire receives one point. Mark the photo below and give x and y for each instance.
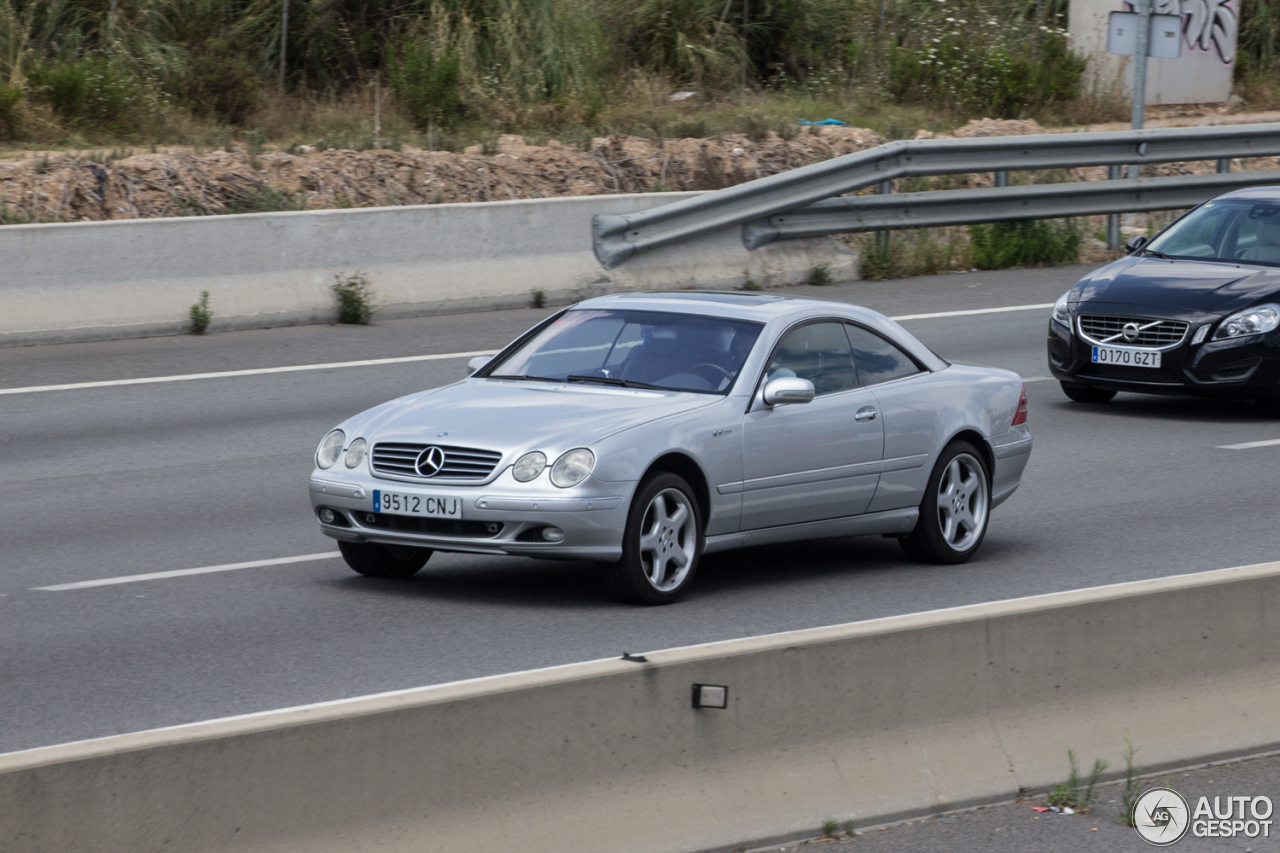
(649, 534)
(1269, 406)
(384, 561)
(1087, 393)
(930, 541)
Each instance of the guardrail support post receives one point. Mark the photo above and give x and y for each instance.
(1224, 166)
(882, 237)
(1002, 179)
(1113, 219)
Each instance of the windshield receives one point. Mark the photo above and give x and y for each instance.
(1224, 231)
(675, 352)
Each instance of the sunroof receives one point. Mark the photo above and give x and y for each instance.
(711, 296)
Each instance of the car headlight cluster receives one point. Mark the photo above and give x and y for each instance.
(570, 469)
(330, 448)
(356, 453)
(1061, 312)
(1254, 321)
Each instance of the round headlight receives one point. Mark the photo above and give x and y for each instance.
(529, 466)
(572, 468)
(355, 453)
(330, 448)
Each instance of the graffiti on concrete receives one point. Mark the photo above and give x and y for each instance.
(1207, 25)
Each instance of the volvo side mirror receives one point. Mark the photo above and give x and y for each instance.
(476, 363)
(787, 389)
(1136, 242)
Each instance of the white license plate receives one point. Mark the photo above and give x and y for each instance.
(1126, 357)
(429, 506)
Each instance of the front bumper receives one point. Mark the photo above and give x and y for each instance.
(496, 518)
(1248, 367)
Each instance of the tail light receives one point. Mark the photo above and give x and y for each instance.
(1021, 416)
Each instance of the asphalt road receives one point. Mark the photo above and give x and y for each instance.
(121, 480)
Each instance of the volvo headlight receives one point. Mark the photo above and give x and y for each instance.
(529, 466)
(356, 452)
(1255, 321)
(1061, 313)
(330, 448)
(572, 468)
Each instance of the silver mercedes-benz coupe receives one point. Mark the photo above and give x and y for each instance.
(645, 430)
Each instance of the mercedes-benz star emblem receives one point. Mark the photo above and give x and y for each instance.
(1130, 331)
(430, 461)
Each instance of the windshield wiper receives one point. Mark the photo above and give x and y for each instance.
(1157, 254)
(607, 380)
(527, 376)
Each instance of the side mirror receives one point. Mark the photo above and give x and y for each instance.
(476, 363)
(787, 389)
(1136, 242)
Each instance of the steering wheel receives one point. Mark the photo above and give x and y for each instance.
(727, 374)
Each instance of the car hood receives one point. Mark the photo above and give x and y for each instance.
(513, 415)
(1215, 288)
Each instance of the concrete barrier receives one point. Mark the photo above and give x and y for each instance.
(874, 720)
(99, 280)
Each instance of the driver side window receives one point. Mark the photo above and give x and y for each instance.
(818, 352)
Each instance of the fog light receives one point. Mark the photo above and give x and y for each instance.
(553, 534)
(327, 515)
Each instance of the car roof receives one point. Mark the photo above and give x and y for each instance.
(1253, 194)
(730, 304)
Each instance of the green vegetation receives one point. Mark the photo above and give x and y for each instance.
(1071, 794)
(1132, 782)
(454, 71)
(356, 299)
(820, 275)
(201, 314)
(1026, 243)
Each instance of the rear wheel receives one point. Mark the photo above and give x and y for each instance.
(661, 544)
(955, 510)
(1087, 393)
(384, 561)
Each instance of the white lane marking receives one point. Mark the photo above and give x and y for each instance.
(1005, 310)
(1037, 378)
(177, 573)
(257, 371)
(1272, 442)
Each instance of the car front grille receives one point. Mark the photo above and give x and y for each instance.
(1120, 373)
(459, 463)
(432, 526)
(1105, 329)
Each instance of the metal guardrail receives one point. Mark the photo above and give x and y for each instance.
(779, 205)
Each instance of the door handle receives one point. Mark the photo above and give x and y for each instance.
(866, 413)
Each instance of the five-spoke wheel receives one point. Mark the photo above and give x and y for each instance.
(956, 506)
(661, 544)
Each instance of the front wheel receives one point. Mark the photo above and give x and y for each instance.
(661, 544)
(1086, 393)
(384, 561)
(955, 510)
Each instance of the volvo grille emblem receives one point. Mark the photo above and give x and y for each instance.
(1130, 331)
(430, 461)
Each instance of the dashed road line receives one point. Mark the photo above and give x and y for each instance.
(178, 573)
(1249, 445)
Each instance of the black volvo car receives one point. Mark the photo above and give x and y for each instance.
(1193, 310)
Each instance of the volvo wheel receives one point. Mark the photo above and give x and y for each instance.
(661, 543)
(384, 561)
(955, 510)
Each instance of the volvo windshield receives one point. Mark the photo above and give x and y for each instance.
(1230, 230)
(641, 349)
